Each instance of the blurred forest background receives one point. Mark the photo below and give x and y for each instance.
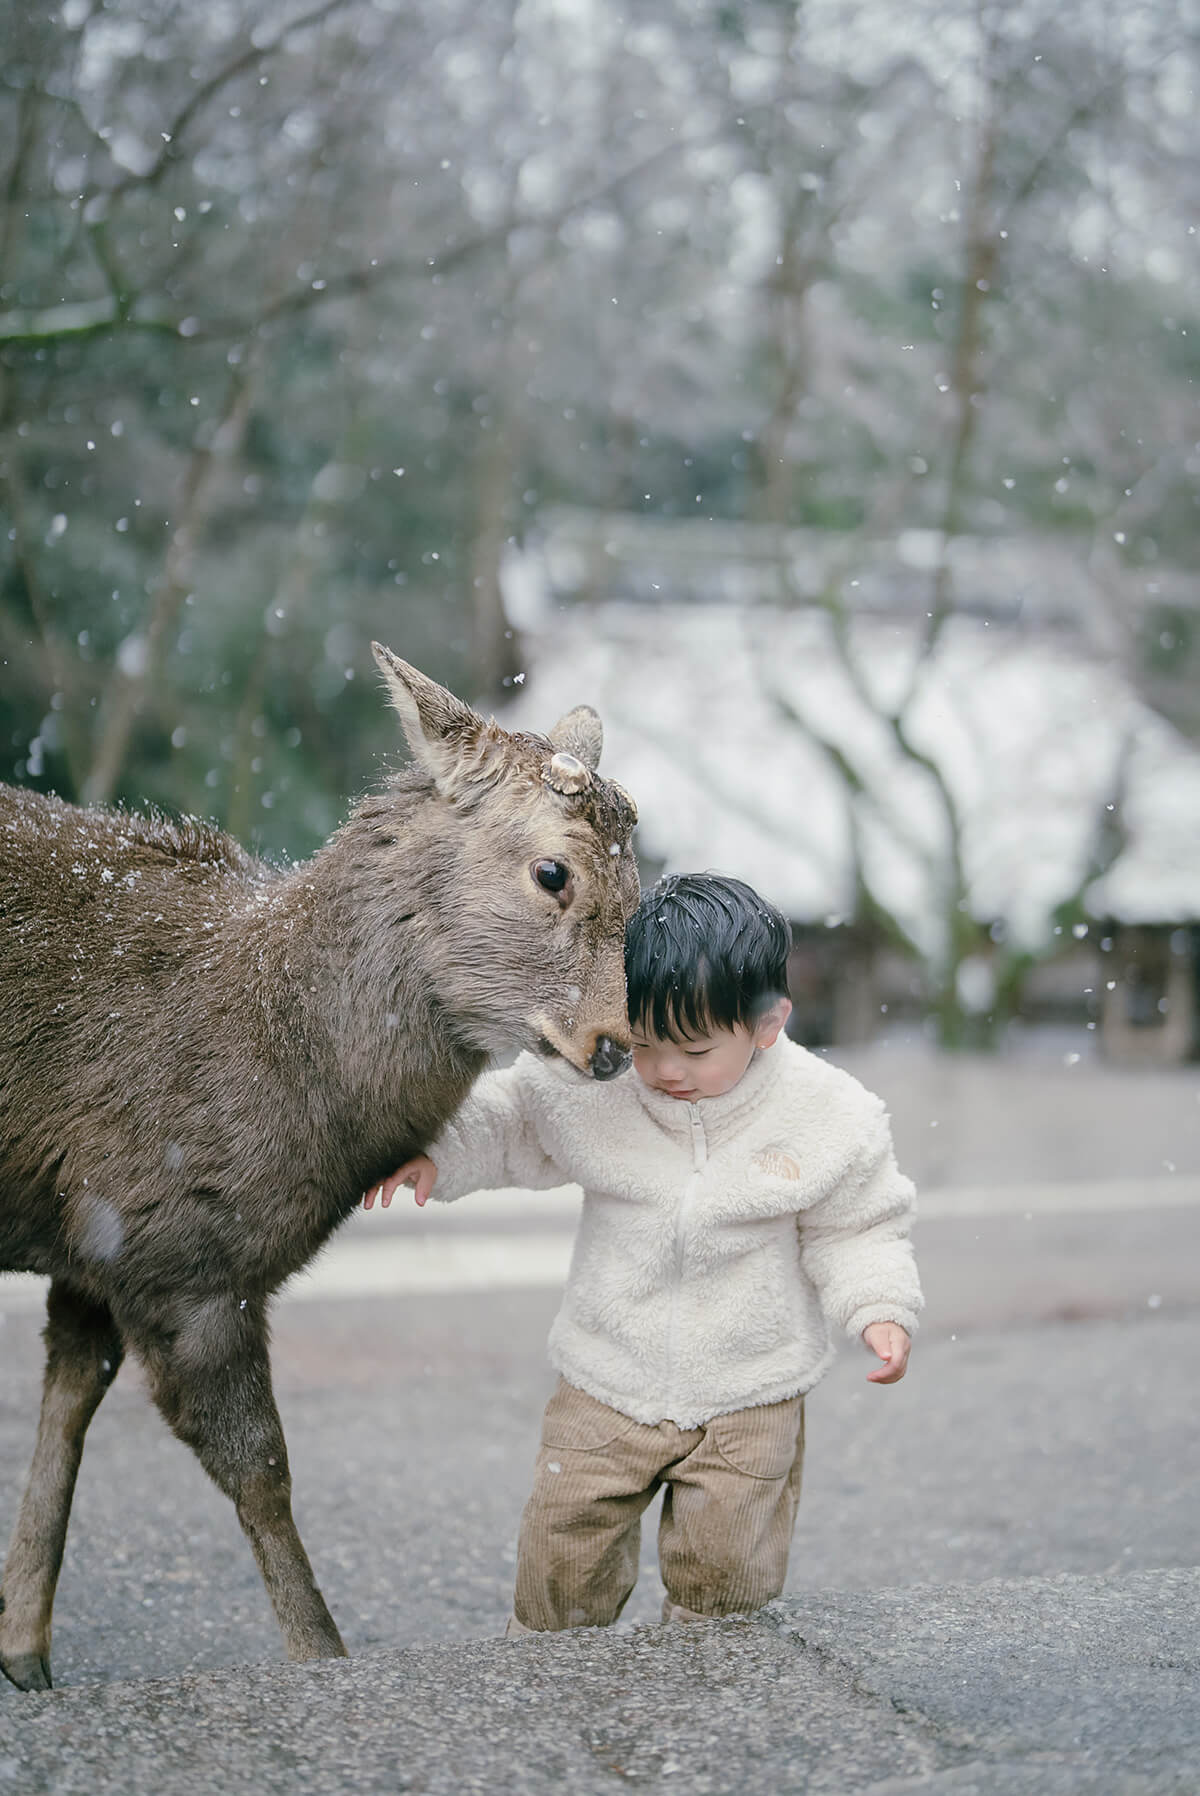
(311, 317)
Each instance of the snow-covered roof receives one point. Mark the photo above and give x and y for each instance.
(1045, 579)
(751, 747)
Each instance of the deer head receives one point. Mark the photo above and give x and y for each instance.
(525, 872)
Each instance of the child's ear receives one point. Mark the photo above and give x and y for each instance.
(771, 1022)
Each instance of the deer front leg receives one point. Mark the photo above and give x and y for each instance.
(213, 1387)
(83, 1353)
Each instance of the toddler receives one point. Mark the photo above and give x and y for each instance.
(741, 1198)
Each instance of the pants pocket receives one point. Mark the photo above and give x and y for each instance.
(575, 1422)
(761, 1442)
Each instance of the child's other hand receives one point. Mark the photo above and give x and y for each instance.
(419, 1172)
(891, 1343)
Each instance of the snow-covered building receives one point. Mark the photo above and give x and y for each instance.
(861, 777)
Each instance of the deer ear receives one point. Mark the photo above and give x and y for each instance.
(438, 726)
(580, 733)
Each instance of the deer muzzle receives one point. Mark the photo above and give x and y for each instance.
(608, 1059)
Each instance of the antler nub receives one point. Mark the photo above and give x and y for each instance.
(626, 799)
(566, 773)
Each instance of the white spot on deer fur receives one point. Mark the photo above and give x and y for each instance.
(573, 994)
(172, 1156)
(101, 1235)
(614, 848)
(554, 1466)
(107, 875)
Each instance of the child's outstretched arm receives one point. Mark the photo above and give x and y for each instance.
(491, 1143)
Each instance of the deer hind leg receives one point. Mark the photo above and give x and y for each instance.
(213, 1387)
(83, 1353)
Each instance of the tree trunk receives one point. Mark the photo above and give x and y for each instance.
(140, 675)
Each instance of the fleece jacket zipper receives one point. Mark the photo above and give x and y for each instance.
(699, 1160)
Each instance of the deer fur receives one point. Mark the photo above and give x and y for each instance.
(206, 1060)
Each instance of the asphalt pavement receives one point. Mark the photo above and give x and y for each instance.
(1082, 1685)
(993, 1587)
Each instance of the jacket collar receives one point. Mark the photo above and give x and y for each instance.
(731, 1110)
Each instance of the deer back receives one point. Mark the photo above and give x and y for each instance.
(204, 1060)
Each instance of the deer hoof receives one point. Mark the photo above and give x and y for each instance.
(28, 1671)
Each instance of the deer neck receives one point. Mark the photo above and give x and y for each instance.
(353, 963)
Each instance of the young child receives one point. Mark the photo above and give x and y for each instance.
(741, 1197)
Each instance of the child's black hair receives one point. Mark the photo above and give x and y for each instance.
(703, 952)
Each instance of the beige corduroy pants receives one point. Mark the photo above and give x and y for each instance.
(730, 1492)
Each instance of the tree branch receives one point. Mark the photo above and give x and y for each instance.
(237, 65)
(97, 318)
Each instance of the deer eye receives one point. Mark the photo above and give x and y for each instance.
(553, 877)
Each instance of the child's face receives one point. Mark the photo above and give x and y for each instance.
(703, 1066)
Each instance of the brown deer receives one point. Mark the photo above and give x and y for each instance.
(206, 1060)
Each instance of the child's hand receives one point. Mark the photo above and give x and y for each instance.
(419, 1172)
(891, 1343)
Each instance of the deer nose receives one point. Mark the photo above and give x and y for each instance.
(608, 1059)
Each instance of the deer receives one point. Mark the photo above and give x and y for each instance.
(206, 1059)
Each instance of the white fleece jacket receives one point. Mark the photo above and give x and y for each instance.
(719, 1240)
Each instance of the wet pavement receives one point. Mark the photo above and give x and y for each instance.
(992, 1588)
